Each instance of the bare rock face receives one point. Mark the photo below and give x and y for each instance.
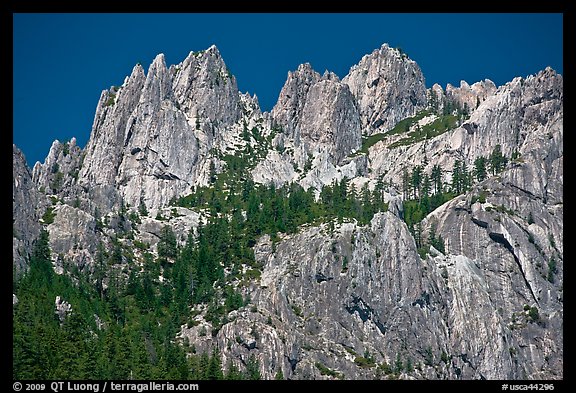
(57, 177)
(388, 87)
(59, 172)
(25, 211)
(154, 168)
(339, 299)
(288, 109)
(72, 236)
(330, 118)
(104, 149)
(204, 88)
(150, 134)
(318, 128)
(512, 243)
(319, 114)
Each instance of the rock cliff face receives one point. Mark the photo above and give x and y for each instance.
(132, 155)
(318, 113)
(334, 300)
(388, 87)
(25, 210)
(511, 242)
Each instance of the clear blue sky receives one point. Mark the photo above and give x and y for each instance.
(62, 62)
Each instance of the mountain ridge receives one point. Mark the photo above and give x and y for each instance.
(401, 275)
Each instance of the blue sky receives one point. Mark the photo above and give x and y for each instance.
(62, 62)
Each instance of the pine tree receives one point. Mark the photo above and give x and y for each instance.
(100, 269)
(497, 160)
(72, 352)
(436, 241)
(279, 375)
(115, 257)
(167, 246)
(457, 177)
(465, 178)
(40, 261)
(398, 365)
(426, 186)
(203, 365)
(139, 358)
(212, 172)
(253, 368)
(480, 168)
(405, 184)
(214, 371)
(436, 177)
(416, 181)
(142, 208)
(378, 195)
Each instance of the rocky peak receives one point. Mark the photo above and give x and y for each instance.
(436, 97)
(131, 155)
(158, 84)
(25, 210)
(388, 87)
(545, 85)
(204, 88)
(318, 113)
(250, 104)
(59, 172)
(330, 117)
(469, 97)
(292, 97)
(329, 75)
(113, 122)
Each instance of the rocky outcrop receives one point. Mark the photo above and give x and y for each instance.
(154, 169)
(59, 172)
(318, 113)
(26, 211)
(104, 148)
(73, 237)
(467, 97)
(388, 87)
(132, 155)
(464, 315)
(288, 109)
(513, 246)
(62, 308)
(322, 119)
(520, 116)
(468, 314)
(204, 88)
